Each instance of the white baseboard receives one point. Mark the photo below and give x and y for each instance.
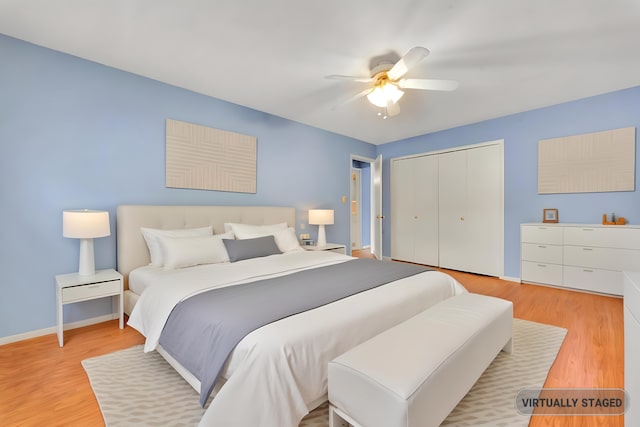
(511, 279)
(53, 329)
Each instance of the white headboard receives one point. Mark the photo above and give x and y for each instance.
(132, 249)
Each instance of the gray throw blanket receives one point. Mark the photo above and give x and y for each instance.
(202, 331)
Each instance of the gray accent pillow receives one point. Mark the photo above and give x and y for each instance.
(251, 248)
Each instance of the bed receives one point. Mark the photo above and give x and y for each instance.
(276, 374)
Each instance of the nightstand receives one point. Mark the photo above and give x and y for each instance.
(331, 247)
(75, 288)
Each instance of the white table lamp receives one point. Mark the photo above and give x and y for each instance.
(85, 225)
(321, 217)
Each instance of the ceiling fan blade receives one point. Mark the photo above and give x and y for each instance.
(407, 62)
(428, 84)
(352, 98)
(349, 78)
(393, 108)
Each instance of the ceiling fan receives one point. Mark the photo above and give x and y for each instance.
(386, 83)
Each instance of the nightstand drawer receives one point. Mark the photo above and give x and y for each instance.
(93, 290)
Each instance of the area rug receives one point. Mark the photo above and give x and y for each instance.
(141, 389)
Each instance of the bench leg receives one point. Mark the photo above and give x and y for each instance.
(508, 347)
(337, 418)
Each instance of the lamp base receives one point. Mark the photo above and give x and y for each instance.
(322, 237)
(86, 266)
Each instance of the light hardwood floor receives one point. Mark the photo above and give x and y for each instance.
(42, 384)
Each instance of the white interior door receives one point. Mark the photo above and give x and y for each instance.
(403, 209)
(472, 210)
(376, 207)
(426, 217)
(453, 249)
(485, 212)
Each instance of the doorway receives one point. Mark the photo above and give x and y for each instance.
(365, 205)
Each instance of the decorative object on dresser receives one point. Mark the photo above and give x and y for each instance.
(550, 215)
(321, 217)
(614, 220)
(85, 225)
(75, 287)
(587, 257)
(632, 344)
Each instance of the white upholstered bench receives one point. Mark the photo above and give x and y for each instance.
(414, 374)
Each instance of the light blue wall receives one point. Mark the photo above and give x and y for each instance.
(521, 133)
(76, 134)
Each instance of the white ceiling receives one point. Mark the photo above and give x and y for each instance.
(272, 55)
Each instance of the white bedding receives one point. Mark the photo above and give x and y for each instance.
(278, 373)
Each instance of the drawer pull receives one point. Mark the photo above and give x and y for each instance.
(541, 265)
(587, 271)
(587, 229)
(587, 249)
(93, 286)
(542, 247)
(542, 228)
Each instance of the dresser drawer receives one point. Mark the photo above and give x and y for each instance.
(604, 237)
(94, 290)
(593, 279)
(539, 272)
(542, 253)
(605, 258)
(541, 234)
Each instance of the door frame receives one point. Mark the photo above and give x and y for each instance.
(376, 242)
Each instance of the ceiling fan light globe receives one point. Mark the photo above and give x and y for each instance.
(381, 94)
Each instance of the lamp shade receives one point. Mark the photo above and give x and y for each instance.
(85, 224)
(320, 216)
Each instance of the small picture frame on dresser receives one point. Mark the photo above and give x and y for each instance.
(550, 215)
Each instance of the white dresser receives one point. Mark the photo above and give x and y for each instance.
(589, 257)
(632, 346)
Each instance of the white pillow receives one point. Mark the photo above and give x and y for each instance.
(179, 252)
(151, 237)
(247, 231)
(287, 241)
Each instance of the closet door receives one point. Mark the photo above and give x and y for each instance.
(453, 250)
(426, 210)
(414, 210)
(485, 210)
(471, 210)
(402, 209)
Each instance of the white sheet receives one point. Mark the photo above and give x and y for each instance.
(278, 373)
